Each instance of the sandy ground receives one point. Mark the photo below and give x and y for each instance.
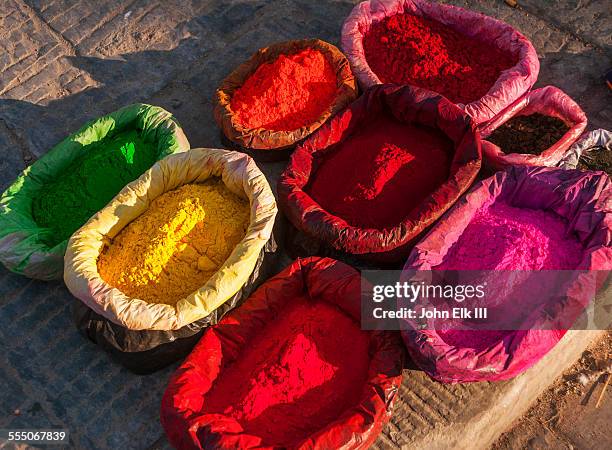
(565, 416)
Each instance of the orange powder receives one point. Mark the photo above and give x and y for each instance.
(287, 94)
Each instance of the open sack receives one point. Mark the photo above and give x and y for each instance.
(548, 101)
(583, 199)
(586, 150)
(270, 144)
(24, 247)
(146, 351)
(130, 325)
(512, 83)
(404, 106)
(312, 282)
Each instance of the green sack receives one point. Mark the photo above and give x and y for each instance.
(37, 251)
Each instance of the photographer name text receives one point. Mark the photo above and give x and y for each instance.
(431, 313)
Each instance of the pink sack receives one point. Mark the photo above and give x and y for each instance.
(510, 86)
(550, 101)
(585, 200)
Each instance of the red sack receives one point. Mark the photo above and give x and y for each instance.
(510, 86)
(183, 411)
(549, 101)
(406, 104)
(585, 200)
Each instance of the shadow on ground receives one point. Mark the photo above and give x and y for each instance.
(50, 376)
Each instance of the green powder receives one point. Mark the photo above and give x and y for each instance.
(90, 182)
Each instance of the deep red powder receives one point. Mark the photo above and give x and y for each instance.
(408, 49)
(297, 376)
(286, 94)
(378, 175)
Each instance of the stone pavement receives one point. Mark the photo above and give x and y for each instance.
(63, 62)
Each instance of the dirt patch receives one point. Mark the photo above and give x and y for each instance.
(565, 417)
(597, 158)
(530, 134)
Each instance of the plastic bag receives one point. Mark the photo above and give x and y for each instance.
(183, 414)
(583, 198)
(549, 101)
(146, 351)
(239, 174)
(268, 144)
(512, 83)
(407, 104)
(588, 144)
(22, 249)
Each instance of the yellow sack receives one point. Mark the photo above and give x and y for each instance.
(239, 174)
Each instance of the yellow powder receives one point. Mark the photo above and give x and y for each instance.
(173, 248)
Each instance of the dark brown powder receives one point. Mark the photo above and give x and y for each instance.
(597, 158)
(530, 134)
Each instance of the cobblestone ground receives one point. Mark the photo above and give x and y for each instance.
(63, 62)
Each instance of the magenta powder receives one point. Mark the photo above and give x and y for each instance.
(503, 237)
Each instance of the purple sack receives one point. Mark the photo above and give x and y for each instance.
(584, 199)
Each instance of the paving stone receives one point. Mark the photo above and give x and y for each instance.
(30, 52)
(47, 365)
(35, 71)
(31, 415)
(105, 84)
(12, 396)
(80, 77)
(585, 19)
(107, 27)
(581, 76)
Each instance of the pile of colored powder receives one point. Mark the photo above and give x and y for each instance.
(177, 244)
(504, 237)
(296, 377)
(286, 94)
(530, 134)
(408, 49)
(516, 239)
(596, 158)
(90, 182)
(378, 175)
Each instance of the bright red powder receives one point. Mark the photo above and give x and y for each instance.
(286, 94)
(408, 49)
(297, 376)
(378, 175)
